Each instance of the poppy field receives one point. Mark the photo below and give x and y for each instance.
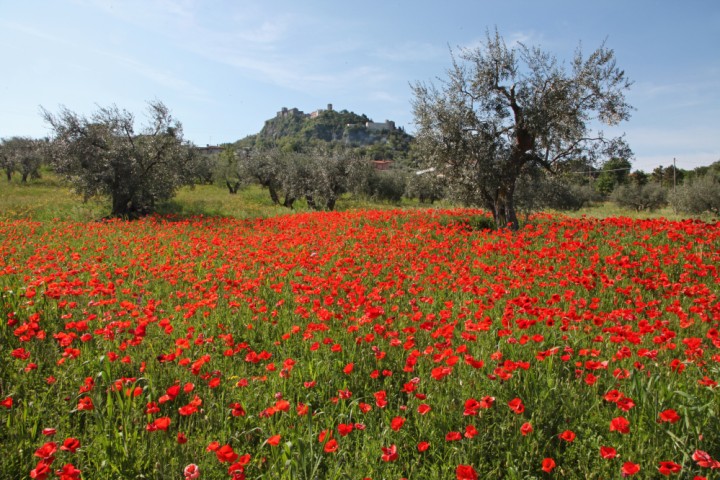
(363, 344)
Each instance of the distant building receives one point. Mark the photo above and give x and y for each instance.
(317, 112)
(378, 127)
(290, 112)
(382, 164)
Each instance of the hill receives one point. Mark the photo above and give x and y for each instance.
(294, 130)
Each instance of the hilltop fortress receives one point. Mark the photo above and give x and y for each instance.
(373, 126)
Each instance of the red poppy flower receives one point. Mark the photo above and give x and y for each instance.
(46, 451)
(620, 424)
(608, 452)
(453, 437)
(274, 440)
(41, 471)
(704, 459)
(613, 396)
(86, 404)
(423, 408)
(487, 402)
(466, 472)
(567, 435)
(389, 453)
(629, 469)
(526, 428)
(438, 373)
(68, 472)
(226, 454)
(668, 416)
(625, 404)
(397, 423)
(516, 405)
(70, 445)
(422, 446)
(7, 402)
(548, 464)
(331, 446)
(668, 468)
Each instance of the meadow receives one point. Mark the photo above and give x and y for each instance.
(379, 343)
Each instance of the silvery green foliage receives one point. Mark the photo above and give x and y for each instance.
(268, 168)
(502, 109)
(426, 186)
(103, 155)
(650, 196)
(22, 155)
(698, 196)
(537, 190)
(320, 177)
(328, 175)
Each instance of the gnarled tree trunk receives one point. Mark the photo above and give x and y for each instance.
(503, 206)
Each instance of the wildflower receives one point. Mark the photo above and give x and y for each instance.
(466, 472)
(608, 452)
(548, 464)
(85, 403)
(668, 468)
(397, 423)
(331, 446)
(629, 469)
(191, 472)
(389, 453)
(516, 405)
(70, 445)
(668, 416)
(620, 424)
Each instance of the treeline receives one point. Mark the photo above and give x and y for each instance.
(321, 176)
(106, 155)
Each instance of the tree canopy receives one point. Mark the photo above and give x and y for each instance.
(21, 154)
(503, 109)
(103, 155)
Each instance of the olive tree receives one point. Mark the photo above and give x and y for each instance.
(502, 109)
(22, 155)
(104, 155)
(698, 196)
(269, 168)
(648, 197)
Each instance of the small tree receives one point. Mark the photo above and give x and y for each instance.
(650, 196)
(269, 168)
(22, 155)
(425, 185)
(614, 172)
(104, 156)
(698, 196)
(227, 169)
(537, 190)
(504, 109)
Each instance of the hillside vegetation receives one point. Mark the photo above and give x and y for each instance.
(331, 129)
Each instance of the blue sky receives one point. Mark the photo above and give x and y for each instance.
(224, 67)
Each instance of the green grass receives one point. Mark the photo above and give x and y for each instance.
(48, 199)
